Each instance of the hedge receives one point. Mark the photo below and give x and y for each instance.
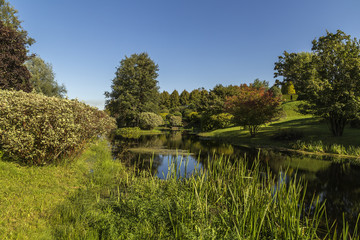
(36, 129)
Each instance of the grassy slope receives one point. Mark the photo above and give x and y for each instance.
(28, 196)
(312, 128)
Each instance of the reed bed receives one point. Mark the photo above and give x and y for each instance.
(224, 200)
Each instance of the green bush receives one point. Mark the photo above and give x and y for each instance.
(35, 129)
(216, 121)
(149, 120)
(130, 132)
(175, 121)
(288, 135)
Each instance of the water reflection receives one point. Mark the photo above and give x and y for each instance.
(338, 183)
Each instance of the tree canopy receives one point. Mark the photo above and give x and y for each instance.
(329, 78)
(13, 54)
(43, 78)
(252, 107)
(8, 15)
(134, 89)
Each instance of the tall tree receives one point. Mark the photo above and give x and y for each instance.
(260, 84)
(134, 89)
(294, 67)
(43, 78)
(184, 98)
(165, 100)
(330, 82)
(8, 15)
(174, 99)
(13, 54)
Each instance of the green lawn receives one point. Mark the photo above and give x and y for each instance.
(312, 129)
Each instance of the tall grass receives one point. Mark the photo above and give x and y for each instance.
(319, 146)
(227, 200)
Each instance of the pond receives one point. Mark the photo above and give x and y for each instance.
(335, 183)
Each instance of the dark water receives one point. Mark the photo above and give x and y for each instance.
(336, 183)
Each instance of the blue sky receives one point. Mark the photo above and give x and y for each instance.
(196, 43)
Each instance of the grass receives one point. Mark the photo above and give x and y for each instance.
(162, 151)
(312, 130)
(29, 194)
(227, 201)
(98, 198)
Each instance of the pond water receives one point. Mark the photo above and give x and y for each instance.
(336, 183)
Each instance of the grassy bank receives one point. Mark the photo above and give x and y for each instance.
(29, 195)
(293, 131)
(98, 198)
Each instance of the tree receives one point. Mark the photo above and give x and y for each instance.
(13, 73)
(134, 89)
(8, 15)
(288, 88)
(165, 100)
(43, 78)
(184, 98)
(174, 99)
(330, 81)
(293, 67)
(260, 84)
(252, 107)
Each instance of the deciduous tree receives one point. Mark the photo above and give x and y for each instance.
(13, 54)
(134, 89)
(253, 107)
(329, 80)
(8, 15)
(43, 78)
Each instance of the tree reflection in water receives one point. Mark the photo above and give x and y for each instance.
(337, 183)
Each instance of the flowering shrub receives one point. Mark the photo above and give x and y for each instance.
(36, 129)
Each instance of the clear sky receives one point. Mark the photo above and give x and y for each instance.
(196, 43)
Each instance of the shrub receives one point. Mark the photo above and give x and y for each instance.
(288, 135)
(130, 132)
(355, 123)
(221, 120)
(149, 120)
(36, 129)
(175, 121)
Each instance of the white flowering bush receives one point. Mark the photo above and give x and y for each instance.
(36, 129)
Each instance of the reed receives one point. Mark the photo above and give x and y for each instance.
(225, 200)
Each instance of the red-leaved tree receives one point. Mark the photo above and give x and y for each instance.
(253, 107)
(13, 73)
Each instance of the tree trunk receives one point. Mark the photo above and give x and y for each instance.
(337, 125)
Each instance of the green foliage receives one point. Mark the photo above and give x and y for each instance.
(252, 107)
(221, 120)
(36, 129)
(329, 79)
(276, 91)
(319, 146)
(130, 132)
(134, 90)
(174, 99)
(13, 73)
(165, 100)
(43, 78)
(260, 84)
(8, 15)
(228, 201)
(149, 120)
(174, 121)
(288, 88)
(184, 98)
(288, 135)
